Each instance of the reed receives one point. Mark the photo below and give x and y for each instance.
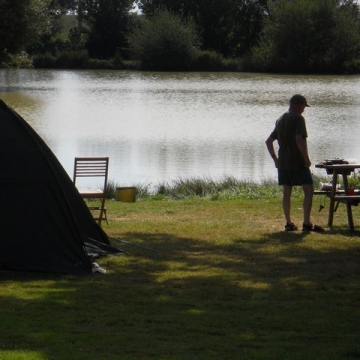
(227, 187)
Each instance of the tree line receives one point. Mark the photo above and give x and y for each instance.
(296, 36)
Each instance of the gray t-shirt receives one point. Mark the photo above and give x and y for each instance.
(286, 128)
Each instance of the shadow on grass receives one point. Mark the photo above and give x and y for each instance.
(273, 298)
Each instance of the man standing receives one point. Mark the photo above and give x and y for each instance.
(293, 162)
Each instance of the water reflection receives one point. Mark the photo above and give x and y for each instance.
(160, 126)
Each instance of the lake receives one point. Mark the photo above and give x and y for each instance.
(157, 127)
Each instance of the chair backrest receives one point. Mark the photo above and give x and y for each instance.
(91, 167)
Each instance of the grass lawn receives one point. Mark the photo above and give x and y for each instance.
(226, 282)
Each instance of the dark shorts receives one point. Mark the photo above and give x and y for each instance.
(295, 178)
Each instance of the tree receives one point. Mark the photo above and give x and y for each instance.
(109, 22)
(67, 4)
(164, 42)
(152, 7)
(21, 23)
(215, 22)
(309, 36)
(248, 18)
(230, 27)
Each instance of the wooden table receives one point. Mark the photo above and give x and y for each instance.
(349, 200)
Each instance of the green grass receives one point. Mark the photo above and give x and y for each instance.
(226, 282)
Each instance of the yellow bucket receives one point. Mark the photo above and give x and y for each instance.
(126, 194)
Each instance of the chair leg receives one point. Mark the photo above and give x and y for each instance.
(102, 215)
(105, 216)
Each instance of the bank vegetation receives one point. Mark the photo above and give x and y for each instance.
(297, 36)
(227, 187)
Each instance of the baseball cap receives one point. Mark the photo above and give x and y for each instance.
(298, 99)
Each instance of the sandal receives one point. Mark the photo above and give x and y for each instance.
(290, 227)
(311, 227)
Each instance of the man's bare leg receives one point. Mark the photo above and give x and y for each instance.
(287, 189)
(307, 204)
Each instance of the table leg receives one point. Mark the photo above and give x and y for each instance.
(332, 201)
(348, 205)
(350, 217)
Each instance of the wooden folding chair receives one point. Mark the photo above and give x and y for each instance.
(93, 167)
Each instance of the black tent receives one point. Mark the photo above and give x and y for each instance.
(44, 223)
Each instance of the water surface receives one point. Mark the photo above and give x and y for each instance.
(157, 127)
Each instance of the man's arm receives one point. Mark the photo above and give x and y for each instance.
(270, 146)
(302, 145)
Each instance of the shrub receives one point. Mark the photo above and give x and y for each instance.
(352, 66)
(308, 36)
(44, 61)
(73, 60)
(207, 61)
(164, 42)
(245, 63)
(76, 60)
(212, 61)
(101, 64)
(20, 60)
(64, 60)
(233, 65)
